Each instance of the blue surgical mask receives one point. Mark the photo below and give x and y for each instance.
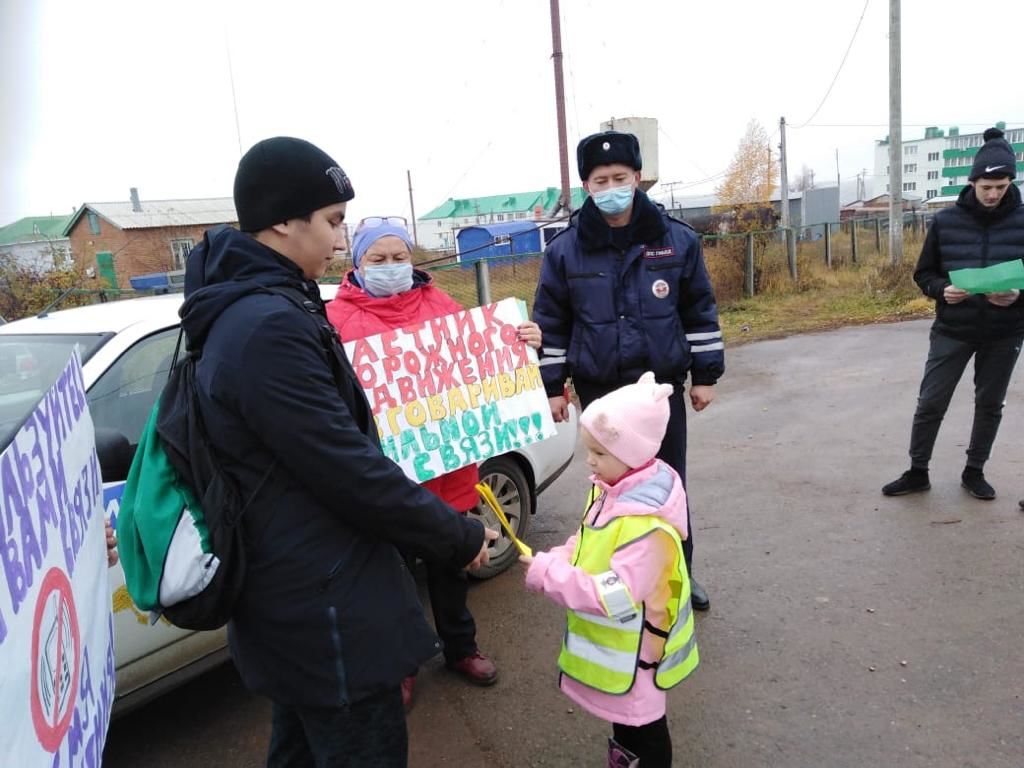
(388, 279)
(615, 200)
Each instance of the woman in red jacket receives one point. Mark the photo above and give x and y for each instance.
(385, 292)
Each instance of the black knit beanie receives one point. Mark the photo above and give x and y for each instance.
(285, 178)
(606, 148)
(995, 159)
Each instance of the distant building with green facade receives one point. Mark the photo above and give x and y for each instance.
(958, 157)
(938, 164)
(437, 229)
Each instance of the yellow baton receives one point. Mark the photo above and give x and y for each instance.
(488, 496)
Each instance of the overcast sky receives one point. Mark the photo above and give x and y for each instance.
(101, 96)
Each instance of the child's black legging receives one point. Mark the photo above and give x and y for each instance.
(651, 742)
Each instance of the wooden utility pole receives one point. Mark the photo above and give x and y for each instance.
(784, 176)
(671, 187)
(412, 208)
(895, 138)
(784, 200)
(565, 201)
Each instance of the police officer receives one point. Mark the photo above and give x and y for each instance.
(623, 290)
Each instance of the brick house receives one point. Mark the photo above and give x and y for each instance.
(112, 242)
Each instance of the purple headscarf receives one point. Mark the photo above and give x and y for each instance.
(367, 236)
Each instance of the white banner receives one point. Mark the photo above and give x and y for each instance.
(453, 390)
(56, 633)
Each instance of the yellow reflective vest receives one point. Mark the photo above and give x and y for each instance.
(603, 651)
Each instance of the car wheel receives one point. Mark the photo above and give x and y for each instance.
(515, 494)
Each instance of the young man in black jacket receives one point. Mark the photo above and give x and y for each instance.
(624, 290)
(985, 227)
(329, 622)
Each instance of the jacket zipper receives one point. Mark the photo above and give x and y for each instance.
(330, 576)
(339, 662)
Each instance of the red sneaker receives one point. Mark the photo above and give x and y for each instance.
(408, 686)
(477, 669)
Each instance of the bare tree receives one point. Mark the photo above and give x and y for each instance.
(804, 181)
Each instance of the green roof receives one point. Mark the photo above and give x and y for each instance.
(34, 228)
(517, 202)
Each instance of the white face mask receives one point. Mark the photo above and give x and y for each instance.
(388, 279)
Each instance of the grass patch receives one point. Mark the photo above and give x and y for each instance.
(774, 316)
(869, 291)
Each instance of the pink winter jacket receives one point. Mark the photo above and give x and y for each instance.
(654, 489)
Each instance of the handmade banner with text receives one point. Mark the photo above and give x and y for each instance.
(454, 390)
(56, 632)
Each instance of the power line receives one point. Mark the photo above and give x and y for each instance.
(841, 63)
(905, 125)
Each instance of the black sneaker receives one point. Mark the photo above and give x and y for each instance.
(974, 481)
(911, 481)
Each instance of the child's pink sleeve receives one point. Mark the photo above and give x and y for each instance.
(542, 561)
(640, 567)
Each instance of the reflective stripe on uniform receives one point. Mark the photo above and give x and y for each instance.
(613, 659)
(685, 609)
(704, 348)
(615, 597)
(631, 624)
(551, 360)
(552, 351)
(676, 658)
(703, 336)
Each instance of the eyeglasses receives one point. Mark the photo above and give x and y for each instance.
(370, 222)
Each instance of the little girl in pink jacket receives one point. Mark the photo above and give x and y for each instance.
(639, 518)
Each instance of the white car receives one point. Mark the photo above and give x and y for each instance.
(126, 348)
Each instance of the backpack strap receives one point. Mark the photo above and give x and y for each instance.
(344, 374)
(336, 357)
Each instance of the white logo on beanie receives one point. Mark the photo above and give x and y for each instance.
(340, 180)
(606, 146)
(990, 168)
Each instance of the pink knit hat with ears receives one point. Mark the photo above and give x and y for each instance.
(631, 421)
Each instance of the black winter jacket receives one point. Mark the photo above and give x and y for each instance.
(329, 613)
(969, 235)
(611, 309)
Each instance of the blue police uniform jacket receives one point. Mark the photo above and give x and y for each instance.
(613, 303)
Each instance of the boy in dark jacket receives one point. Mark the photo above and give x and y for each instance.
(985, 227)
(329, 622)
(624, 290)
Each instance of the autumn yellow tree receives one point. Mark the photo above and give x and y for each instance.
(25, 291)
(746, 190)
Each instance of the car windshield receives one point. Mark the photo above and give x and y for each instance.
(29, 365)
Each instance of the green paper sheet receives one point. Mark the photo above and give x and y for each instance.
(999, 277)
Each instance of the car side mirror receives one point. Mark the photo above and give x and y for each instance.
(115, 454)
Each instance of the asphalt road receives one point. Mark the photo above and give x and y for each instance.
(846, 629)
